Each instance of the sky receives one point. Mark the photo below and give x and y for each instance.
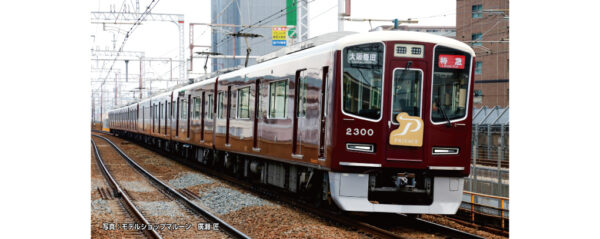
(322, 18)
(160, 39)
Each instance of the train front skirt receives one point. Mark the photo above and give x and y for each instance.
(350, 193)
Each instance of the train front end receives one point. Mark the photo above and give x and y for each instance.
(402, 131)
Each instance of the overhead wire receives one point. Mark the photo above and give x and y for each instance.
(265, 20)
(215, 18)
(129, 32)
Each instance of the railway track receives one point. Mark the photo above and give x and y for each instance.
(168, 191)
(120, 193)
(376, 225)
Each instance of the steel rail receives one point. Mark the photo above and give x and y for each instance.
(446, 230)
(122, 194)
(361, 225)
(222, 224)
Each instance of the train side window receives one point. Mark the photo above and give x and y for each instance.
(302, 95)
(277, 99)
(209, 108)
(196, 108)
(220, 105)
(184, 108)
(165, 112)
(173, 109)
(243, 103)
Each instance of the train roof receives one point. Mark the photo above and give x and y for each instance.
(378, 36)
(327, 42)
(339, 40)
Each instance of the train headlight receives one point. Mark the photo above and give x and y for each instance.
(369, 148)
(444, 151)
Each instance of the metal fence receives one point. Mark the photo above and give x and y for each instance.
(485, 210)
(490, 153)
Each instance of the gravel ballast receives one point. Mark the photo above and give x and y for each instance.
(166, 209)
(223, 200)
(101, 206)
(189, 180)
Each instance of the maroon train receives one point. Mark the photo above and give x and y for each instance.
(322, 119)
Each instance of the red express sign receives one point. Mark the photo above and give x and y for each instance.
(452, 61)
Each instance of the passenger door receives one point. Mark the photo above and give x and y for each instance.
(299, 127)
(405, 92)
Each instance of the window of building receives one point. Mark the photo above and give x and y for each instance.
(476, 37)
(478, 66)
(277, 99)
(243, 109)
(476, 11)
(220, 105)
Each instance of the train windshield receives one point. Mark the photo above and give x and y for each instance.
(362, 86)
(450, 85)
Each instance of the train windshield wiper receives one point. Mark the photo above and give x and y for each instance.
(448, 124)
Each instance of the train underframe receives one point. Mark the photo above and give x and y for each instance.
(375, 190)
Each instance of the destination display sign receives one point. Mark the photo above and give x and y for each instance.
(359, 57)
(452, 61)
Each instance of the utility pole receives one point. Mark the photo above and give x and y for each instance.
(343, 11)
(126, 18)
(302, 21)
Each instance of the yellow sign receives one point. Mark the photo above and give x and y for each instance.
(409, 132)
(279, 35)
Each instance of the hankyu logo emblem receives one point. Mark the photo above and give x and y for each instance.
(409, 132)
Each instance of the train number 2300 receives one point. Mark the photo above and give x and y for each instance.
(357, 131)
